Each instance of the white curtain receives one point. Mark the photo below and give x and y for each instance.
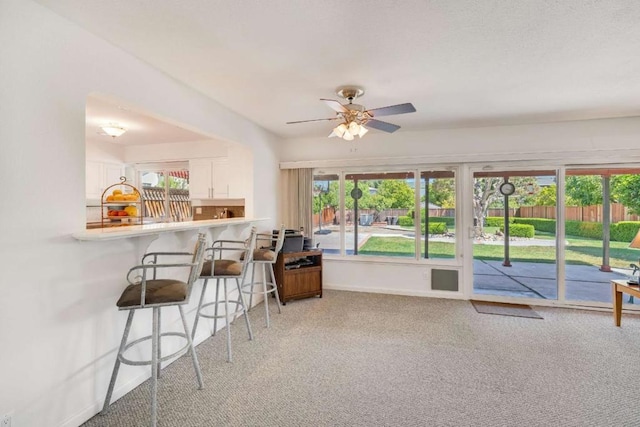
(297, 199)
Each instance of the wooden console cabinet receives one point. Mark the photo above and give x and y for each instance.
(299, 280)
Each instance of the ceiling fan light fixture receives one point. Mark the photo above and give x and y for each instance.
(354, 116)
(339, 130)
(113, 130)
(354, 128)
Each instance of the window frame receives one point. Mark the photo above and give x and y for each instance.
(416, 170)
(160, 167)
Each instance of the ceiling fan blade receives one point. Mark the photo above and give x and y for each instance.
(383, 126)
(335, 105)
(392, 109)
(314, 120)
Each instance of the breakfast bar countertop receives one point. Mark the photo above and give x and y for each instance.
(112, 233)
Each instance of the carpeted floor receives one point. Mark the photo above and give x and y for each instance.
(357, 359)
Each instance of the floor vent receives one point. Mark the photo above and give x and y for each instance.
(444, 280)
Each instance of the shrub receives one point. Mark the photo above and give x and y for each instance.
(436, 228)
(405, 221)
(624, 231)
(496, 221)
(540, 224)
(520, 230)
(591, 230)
(449, 220)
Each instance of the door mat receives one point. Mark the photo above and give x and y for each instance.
(502, 309)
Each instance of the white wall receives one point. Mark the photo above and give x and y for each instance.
(608, 140)
(175, 151)
(537, 145)
(59, 326)
(107, 152)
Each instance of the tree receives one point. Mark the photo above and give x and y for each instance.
(442, 192)
(395, 194)
(626, 190)
(546, 196)
(486, 194)
(584, 190)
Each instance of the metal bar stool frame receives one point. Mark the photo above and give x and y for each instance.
(266, 257)
(150, 264)
(219, 247)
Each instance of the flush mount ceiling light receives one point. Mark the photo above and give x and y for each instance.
(355, 116)
(113, 130)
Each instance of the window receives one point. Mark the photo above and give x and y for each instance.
(437, 214)
(165, 189)
(378, 216)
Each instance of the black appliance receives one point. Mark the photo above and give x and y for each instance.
(293, 240)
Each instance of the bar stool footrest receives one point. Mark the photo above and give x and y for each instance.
(270, 288)
(176, 353)
(239, 309)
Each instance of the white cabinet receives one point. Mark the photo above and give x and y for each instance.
(217, 178)
(100, 175)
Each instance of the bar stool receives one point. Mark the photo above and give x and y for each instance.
(150, 292)
(223, 269)
(266, 257)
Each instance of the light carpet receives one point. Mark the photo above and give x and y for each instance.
(358, 359)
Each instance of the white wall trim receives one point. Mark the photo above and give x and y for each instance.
(555, 158)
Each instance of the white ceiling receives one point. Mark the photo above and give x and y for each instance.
(141, 128)
(460, 62)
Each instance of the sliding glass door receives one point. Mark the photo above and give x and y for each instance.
(601, 227)
(514, 234)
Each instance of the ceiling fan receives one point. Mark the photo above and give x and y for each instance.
(355, 116)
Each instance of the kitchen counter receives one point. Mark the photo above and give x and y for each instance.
(112, 233)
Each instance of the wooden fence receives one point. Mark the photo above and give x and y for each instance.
(591, 213)
(331, 216)
(572, 213)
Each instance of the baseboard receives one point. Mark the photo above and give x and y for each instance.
(391, 291)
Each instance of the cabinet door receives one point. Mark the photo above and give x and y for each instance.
(99, 176)
(200, 179)
(112, 174)
(94, 185)
(222, 172)
(237, 188)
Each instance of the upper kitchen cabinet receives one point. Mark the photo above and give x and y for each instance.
(100, 175)
(217, 178)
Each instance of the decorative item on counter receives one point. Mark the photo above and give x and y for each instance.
(121, 204)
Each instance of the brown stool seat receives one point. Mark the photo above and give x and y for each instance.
(221, 267)
(159, 291)
(264, 255)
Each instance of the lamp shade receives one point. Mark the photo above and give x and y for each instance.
(635, 243)
(354, 128)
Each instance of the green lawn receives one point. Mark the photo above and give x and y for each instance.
(578, 251)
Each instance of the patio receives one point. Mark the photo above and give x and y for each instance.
(523, 279)
(537, 280)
